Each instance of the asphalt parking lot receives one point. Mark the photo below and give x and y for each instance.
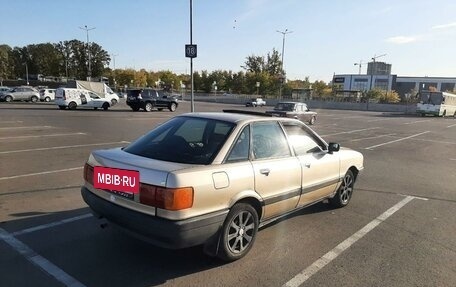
(398, 230)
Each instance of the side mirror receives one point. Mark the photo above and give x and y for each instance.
(332, 147)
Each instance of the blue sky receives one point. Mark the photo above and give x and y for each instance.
(418, 37)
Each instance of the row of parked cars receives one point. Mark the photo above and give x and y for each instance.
(26, 93)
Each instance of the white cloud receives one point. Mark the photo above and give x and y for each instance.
(402, 39)
(445, 26)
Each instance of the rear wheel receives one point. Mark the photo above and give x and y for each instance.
(113, 102)
(34, 99)
(8, 99)
(172, 107)
(105, 106)
(72, 106)
(47, 99)
(148, 107)
(238, 232)
(345, 191)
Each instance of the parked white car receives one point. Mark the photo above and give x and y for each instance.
(47, 95)
(75, 98)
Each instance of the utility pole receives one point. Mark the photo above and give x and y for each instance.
(284, 33)
(89, 72)
(114, 69)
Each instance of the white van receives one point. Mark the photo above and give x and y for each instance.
(75, 98)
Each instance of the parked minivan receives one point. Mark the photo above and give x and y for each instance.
(73, 98)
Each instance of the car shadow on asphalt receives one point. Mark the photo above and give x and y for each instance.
(105, 256)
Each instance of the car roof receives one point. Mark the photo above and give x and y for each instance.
(290, 102)
(234, 116)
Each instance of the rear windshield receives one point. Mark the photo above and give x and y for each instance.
(284, 107)
(133, 93)
(184, 140)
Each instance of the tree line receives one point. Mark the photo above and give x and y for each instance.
(262, 75)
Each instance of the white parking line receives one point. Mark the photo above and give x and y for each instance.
(61, 147)
(39, 260)
(378, 120)
(368, 138)
(350, 132)
(39, 136)
(398, 140)
(414, 122)
(344, 245)
(451, 126)
(30, 127)
(40, 173)
(52, 224)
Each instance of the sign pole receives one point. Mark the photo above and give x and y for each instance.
(191, 58)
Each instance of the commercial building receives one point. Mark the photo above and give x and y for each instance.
(379, 76)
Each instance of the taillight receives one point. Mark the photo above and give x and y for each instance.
(166, 198)
(88, 173)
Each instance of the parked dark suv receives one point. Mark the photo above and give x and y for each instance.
(148, 99)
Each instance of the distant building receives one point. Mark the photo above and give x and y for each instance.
(379, 76)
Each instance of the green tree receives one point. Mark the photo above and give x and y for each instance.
(5, 62)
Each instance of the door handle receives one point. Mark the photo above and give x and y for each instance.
(307, 165)
(265, 171)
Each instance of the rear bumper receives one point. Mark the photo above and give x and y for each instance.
(158, 231)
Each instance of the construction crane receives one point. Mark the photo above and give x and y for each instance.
(375, 57)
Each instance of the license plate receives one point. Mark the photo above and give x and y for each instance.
(116, 180)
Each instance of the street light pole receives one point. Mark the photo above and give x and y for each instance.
(89, 72)
(284, 33)
(26, 73)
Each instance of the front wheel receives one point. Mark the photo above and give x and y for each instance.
(47, 99)
(105, 106)
(345, 191)
(312, 120)
(238, 232)
(8, 99)
(34, 99)
(172, 107)
(113, 102)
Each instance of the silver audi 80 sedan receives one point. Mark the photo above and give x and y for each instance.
(213, 179)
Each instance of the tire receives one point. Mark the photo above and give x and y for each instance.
(135, 109)
(444, 114)
(454, 115)
(312, 120)
(148, 107)
(47, 99)
(345, 191)
(113, 102)
(172, 107)
(238, 232)
(34, 99)
(62, 107)
(72, 106)
(105, 106)
(8, 99)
